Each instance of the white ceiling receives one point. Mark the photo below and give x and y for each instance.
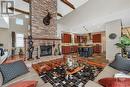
(20, 4)
(64, 9)
(95, 13)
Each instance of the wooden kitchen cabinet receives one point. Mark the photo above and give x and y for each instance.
(96, 38)
(66, 38)
(69, 49)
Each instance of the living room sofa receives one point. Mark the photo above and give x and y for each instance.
(107, 72)
(31, 75)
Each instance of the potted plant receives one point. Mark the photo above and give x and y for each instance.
(124, 44)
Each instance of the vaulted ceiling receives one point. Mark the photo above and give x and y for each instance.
(64, 7)
(94, 14)
(79, 13)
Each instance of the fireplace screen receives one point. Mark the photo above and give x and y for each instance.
(45, 50)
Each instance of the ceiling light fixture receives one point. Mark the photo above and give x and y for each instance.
(84, 27)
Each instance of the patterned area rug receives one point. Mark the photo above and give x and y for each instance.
(57, 77)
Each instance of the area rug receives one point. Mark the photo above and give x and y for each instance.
(57, 77)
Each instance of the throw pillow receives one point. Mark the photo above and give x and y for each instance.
(115, 82)
(12, 70)
(24, 84)
(121, 64)
(1, 79)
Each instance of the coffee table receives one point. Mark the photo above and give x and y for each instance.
(49, 65)
(75, 70)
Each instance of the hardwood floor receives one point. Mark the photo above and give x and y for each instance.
(98, 58)
(15, 58)
(95, 58)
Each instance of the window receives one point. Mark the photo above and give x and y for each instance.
(19, 21)
(19, 40)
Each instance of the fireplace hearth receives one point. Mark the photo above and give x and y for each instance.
(45, 50)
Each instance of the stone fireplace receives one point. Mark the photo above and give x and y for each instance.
(44, 36)
(45, 50)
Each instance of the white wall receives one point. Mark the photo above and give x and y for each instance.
(103, 42)
(5, 38)
(59, 29)
(62, 28)
(3, 23)
(111, 48)
(18, 28)
(5, 34)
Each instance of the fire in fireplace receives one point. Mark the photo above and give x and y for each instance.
(45, 50)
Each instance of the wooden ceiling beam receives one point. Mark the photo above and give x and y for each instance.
(58, 14)
(18, 10)
(68, 3)
(28, 1)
